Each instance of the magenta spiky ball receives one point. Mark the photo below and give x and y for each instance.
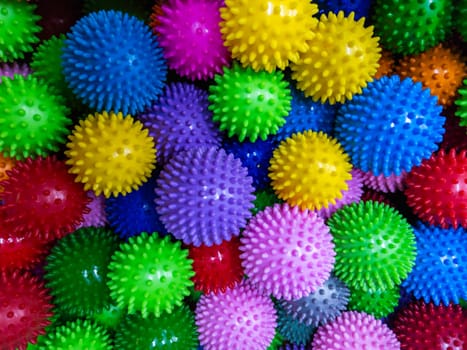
(96, 216)
(381, 183)
(190, 35)
(355, 330)
(240, 318)
(287, 252)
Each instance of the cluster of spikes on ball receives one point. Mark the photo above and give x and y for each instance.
(233, 216)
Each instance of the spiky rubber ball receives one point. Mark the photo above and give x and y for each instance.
(461, 103)
(109, 317)
(190, 35)
(240, 318)
(180, 120)
(379, 303)
(375, 245)
(440, 69)
(321, 306)
(440, 267)
(361, 8)
(6, 164)
(381, 183)
(25, 309)
(249, 104)
(150, 274)
(33, 119)
(426, 326)
(411, 26)
(454, 137)
(335, 67)
(137, 8)
(255, 156)
(9, 70)
(386, 65)
(41, 198)
(459, 16)
(174, 331)
(78, 335)
(96, 216)
(291, 329)
(287, 252)
(392, 126)
(217, 267)
(355, 330)
(264, 198)
(135, 212)
(436, 190)
(309, 170)
(306, 114)
(110, 154)
(76, 270)
(18, 29)
(204, 196)
(107, 58)
(266, 35)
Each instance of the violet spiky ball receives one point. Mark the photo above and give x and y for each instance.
(249, 104)
(180, 120)
(440, 267)
(150, 275)
(190, 35)
(248, 319)
(381, 183)
(391, 127)
(204, 196)
(96, 216)
(9, 70)
(107, 58)
(375, 245)
(287, 252)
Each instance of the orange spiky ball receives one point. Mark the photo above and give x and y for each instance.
(386, 64)
(6, 164)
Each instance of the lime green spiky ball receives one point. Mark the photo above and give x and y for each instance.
(150, 275)
(374, 244)
(33, 119)
(174, 331)
(461, 103)
(77, 269)
(276, 342)
(18, 29)
(77, 335)
(377, 303)
(249, 104)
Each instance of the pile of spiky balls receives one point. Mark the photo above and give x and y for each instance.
(233, 175)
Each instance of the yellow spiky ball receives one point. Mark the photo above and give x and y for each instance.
(110, 154)
(267, 34)
(309, 170)
(341, 59)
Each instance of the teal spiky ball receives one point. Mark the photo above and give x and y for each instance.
(378, 303)
(33, 119)
(77, 269)
(18, 29)
(77, 335)
(150, 274)
(461, 103)
(174, 331)
(412, 26)
(249, 104)
(374, 244)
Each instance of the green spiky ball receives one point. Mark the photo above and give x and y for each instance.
(411, 26)
(150, 274)
(18, 29)
(249, 104)
(276, 342)
(374, 244)
(263, 199)
(109, 317)
(174, 331)
(77, 335)
(33, 120)
(377, 303)
(461, 103)
(77, 269)
(459, 18)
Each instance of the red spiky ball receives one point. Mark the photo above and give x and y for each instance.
(25, 310)
(41, 198)
(437, 189)
(421, 326)
(217, 267)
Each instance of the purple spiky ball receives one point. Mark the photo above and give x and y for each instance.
(9, 70)
(204, 196)
(96, 216)
(382, 183)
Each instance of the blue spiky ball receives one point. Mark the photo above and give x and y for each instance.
(112, 62)
(440, 271)
(291, 329)
(361, 8)
(306, 114)
(135, 212)
(255, 156)
(391, 127)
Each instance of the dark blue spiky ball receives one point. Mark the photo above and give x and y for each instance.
(112, 62)
(440, 271)
(392, 126)
(255, 156)
(135, 212)
(306, 114)
(361, 8)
